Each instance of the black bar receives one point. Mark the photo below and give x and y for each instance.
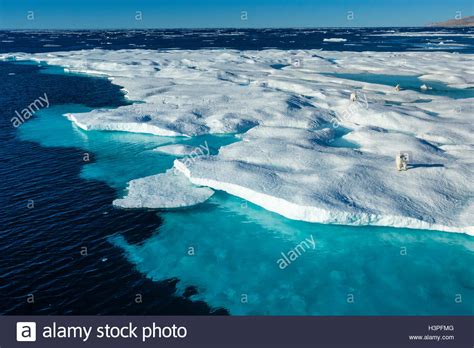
(247, 331)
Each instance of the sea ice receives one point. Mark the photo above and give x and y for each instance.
(334, 39)
(167, 190)
(180, 150)
(288, 120)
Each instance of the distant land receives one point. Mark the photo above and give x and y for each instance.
(463, 22)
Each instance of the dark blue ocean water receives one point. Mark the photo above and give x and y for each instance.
(40, 247)
(141, 252)
(356, 39)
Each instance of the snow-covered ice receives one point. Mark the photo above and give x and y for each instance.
(167, 190)
(180, 150)
(334, 39)
(290, 118)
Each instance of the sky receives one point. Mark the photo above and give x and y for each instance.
(117, 14)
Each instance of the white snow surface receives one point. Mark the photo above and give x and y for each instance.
(334, 39)
(289, 119)
(180, 150)
(168, 190)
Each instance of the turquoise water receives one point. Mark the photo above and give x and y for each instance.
(409, 82)
(278, 66)
(340, 141)
(112, 157)
(229, 250)
(237, 247)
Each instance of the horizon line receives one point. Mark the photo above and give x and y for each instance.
(227, 28)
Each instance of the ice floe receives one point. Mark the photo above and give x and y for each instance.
(287, 160)
(167, 190)
(179, 150)
(334, 39)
